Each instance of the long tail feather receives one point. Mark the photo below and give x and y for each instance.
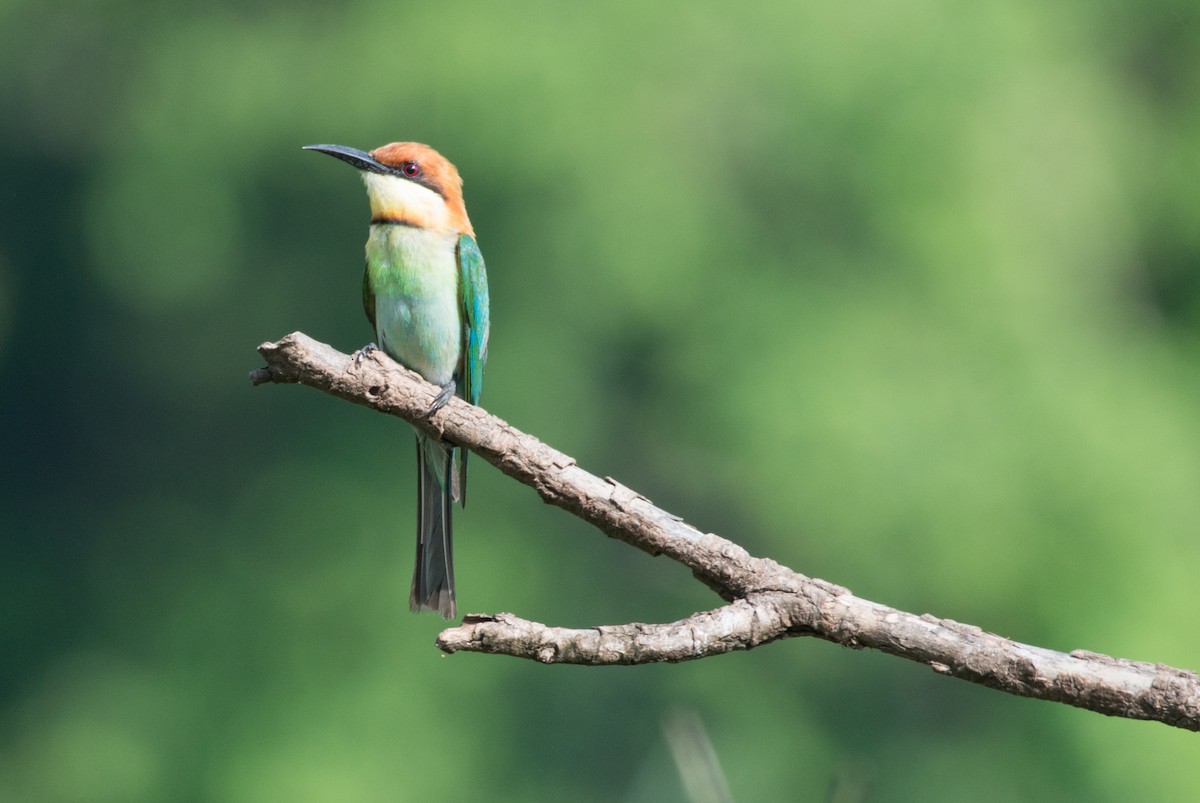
(460, 477)
(433, 573)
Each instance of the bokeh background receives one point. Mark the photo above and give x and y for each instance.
(904, 295)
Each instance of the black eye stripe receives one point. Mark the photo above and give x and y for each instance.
(420, 177)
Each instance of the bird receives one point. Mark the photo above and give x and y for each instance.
(425, 293)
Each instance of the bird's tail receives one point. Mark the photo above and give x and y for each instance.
(433, 575)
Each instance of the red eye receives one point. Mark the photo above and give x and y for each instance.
(410, 169)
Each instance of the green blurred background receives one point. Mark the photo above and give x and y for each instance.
(904, 295)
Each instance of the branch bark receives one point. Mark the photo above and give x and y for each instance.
(765, 601)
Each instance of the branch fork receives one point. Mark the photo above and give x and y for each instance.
(765, 601)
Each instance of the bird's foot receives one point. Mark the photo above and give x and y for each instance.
(443, 396)
(363, 353)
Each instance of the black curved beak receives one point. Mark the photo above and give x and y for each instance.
(352, 156)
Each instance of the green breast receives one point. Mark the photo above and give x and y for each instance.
(413, 275)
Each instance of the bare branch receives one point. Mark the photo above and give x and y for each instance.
(740, 625)
(766, 601)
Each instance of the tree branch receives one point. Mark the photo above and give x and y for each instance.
(766, 601)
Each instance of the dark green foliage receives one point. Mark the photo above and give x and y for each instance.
(902, 295)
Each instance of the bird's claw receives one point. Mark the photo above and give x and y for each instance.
(443, 396)
(363, 353)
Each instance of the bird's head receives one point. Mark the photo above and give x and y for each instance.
(409, 183)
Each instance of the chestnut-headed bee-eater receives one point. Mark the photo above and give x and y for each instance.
(425, 293)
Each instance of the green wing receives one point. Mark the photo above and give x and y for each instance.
(473, 300)
(368, 298)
